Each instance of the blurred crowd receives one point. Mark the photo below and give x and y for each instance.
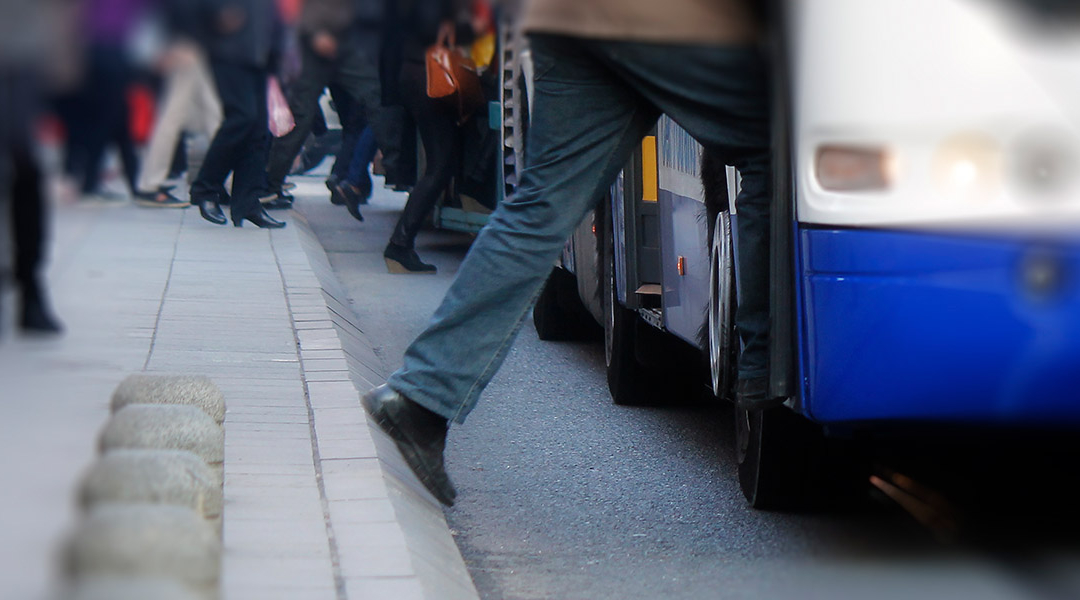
(213, 103)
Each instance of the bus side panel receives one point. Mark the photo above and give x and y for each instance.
(685, 235)
(935, 327)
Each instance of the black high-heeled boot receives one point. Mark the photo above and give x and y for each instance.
(402, 260)
(210, 210)
(35, 315)
(261, 219)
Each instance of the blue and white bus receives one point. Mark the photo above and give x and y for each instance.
(926, 236)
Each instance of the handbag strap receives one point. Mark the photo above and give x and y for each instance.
(447, 35)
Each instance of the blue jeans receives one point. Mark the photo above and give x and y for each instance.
(594, 101)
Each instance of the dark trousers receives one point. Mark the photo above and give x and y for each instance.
(355, 73)
(437, 123)
(106, 114)
(27, 218)
(240, 144)
(353, 123)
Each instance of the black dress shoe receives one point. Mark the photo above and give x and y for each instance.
(418, 433)
(260, 219)
(36, 316)
(352, 202)
(210, 210)
(281, 202)
(275, 194)
(753, 394)
(402, 260)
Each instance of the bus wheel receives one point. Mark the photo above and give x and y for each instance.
(773, 453)
(629, 381)
(723, 345)
(787, 463)
(559, 314)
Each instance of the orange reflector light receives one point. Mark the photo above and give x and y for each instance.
(650, 188)
(682, 265)
(853, 169)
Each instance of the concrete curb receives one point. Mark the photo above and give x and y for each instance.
(362, 469)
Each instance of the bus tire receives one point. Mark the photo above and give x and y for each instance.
(772, 452)
(559, 314)
(787, 463)
(723, 343)
(630, 382)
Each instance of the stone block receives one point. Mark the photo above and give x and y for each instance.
(146, 541)
(172, 477)
(138, 588)
(166, 427)
(191, 390)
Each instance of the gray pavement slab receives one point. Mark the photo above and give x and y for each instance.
(315, 506)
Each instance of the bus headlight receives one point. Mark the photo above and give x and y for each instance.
(968, 168)
(842, 168)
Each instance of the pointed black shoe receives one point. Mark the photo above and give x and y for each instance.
(261, 219)
(280, 202)
(402, 260)
(352, 203)
(35, 315)
(210, 210)
(418, 433)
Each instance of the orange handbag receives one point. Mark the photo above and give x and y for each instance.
(452, 75)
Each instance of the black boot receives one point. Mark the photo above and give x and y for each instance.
(418, 433)
(35, 316)
(400, 260)
(261, 219)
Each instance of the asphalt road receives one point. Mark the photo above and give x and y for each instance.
(563, 495)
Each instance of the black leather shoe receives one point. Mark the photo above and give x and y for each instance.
(753, 394)
(275, 195)
(280, 202)
(352, 202)
(210, 210)
(260, 219)
(36, 316)
(418, 433)
(401, 260)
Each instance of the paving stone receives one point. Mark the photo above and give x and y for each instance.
(398, 588)
(193, 390)
(124, 588)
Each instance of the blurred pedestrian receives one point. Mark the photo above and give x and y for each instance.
(340, 41)
(605, 70)
(31, 59)
(104, 110)
(440, 133)
(189, 105)
(243, 41)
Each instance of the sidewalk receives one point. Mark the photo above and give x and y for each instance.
(317, 505)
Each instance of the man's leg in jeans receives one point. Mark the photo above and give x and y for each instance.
(303, 102)
(586, 123)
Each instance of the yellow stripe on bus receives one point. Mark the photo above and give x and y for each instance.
(649, 187)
